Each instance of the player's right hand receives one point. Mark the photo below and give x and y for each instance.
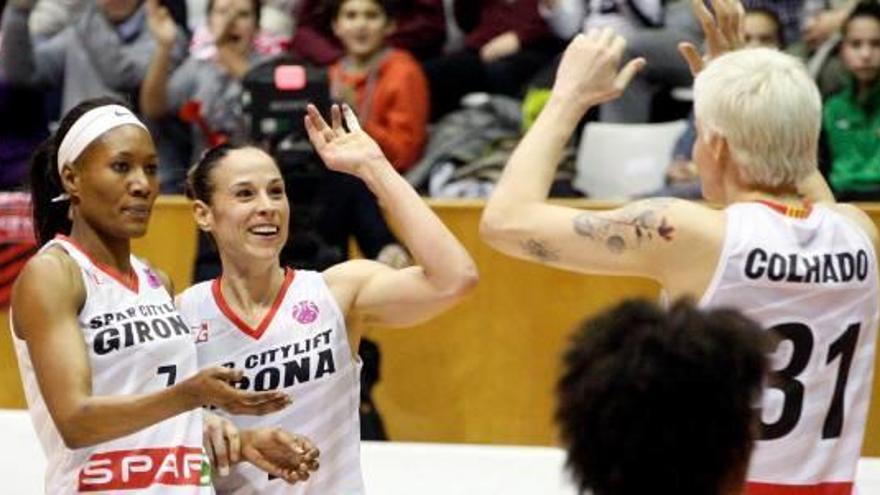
(215, 386)
(590, 73)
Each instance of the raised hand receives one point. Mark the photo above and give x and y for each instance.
(341, 150)
(161, 24)
(723, 32)
(589, 72)
(214, 386)
(279, 453)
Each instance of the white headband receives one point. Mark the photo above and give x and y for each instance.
(90, 126)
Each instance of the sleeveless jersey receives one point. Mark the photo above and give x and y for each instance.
(137, 343)
(810, 276)
(301, 346)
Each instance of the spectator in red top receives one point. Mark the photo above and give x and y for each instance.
(506, 42)
(420, 29)
(385, 86)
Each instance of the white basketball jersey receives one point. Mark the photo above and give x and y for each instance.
(810, 275)
(301, 346)
(137, 343)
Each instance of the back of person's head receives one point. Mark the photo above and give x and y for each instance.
(654, 401)
(767, 108)
(51, 217)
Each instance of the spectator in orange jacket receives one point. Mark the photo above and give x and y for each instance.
(385, 86)
(420, 28)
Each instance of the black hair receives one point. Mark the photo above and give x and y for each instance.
(652, 401)
(777, 21)
(45, 182)
(390, 7)
(865, 8)
(199, 177)
(199, 183)
(255, 4)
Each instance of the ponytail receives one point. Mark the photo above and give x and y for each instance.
(49, 218)
(52, 218)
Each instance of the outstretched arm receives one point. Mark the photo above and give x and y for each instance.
(46, 299)
(517, 219)
(444, 271)
(154, 90)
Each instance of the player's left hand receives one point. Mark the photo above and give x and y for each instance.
(221, 441)
(279, 453)
(341, 149)
(723, 32)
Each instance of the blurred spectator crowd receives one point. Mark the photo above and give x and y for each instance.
(446, 87)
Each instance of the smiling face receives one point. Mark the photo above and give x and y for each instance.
(362, 26)
(248, 211)
(114, 183)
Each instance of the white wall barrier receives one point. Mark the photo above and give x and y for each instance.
(390, 468)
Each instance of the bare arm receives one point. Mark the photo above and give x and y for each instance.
(122, 66)
(444, 271)
(46, 300)
(517, 219)
(154, 90)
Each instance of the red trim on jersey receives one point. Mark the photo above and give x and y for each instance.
(830, 488)
(227, 310)
(787, 210)
(129, 281)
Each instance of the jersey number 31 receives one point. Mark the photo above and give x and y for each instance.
(786, 379)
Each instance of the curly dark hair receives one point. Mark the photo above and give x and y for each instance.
(652, 401)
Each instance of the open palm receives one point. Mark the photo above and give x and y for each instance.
(341, 149)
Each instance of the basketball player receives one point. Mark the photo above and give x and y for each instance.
(108, 366)
(781, 251)
(297, 330)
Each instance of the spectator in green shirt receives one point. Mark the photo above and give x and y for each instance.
(852, 117)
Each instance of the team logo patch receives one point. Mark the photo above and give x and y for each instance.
(305, 312)
(202, 336)
(142, 468)
(152, 279)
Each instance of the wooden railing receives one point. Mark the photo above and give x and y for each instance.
(484, 372)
